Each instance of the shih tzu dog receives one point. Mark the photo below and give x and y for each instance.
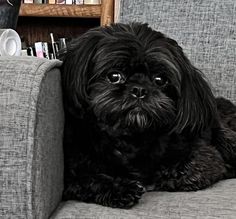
(140, 117)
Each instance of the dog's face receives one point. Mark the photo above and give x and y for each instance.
(133, 78)
(133, 87)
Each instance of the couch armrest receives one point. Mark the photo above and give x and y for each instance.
(31, 136)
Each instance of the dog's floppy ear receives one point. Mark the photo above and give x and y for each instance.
(196, 107)
(77, 64)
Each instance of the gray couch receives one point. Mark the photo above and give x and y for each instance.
(31, 119)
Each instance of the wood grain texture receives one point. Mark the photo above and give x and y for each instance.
(107, 13)
(48, 10)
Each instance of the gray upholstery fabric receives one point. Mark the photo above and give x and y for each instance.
(204, 28)
(216, 202)
(31, 131)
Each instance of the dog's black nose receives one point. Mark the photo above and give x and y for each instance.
(138, 92)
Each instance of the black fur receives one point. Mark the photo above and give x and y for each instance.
(140, 116)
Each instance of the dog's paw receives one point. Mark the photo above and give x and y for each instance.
(110, 192)
(124, 194)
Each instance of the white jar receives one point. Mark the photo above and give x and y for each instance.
(10, 43)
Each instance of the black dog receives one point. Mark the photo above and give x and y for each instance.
(140, 117)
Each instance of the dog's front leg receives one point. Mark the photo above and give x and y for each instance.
(225, 142)
(204, 167)
(105, 190)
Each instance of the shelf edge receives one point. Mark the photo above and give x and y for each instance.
(48, 10)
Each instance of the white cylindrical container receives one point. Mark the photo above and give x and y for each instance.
(10, 43)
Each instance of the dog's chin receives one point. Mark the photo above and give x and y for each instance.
(129, 122)
(134, 119)
(137, 120)
(124, 122)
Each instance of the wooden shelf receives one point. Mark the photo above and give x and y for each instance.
(36, 21)
(48, 10)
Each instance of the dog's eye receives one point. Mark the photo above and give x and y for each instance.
(115, 78)
(160, 81)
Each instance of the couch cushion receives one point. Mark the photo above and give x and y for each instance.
(205, 29)
(218, 201)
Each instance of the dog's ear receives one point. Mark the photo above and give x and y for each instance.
(196, 107)
(76, 70)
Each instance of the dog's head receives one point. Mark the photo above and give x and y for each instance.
(133, 78)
